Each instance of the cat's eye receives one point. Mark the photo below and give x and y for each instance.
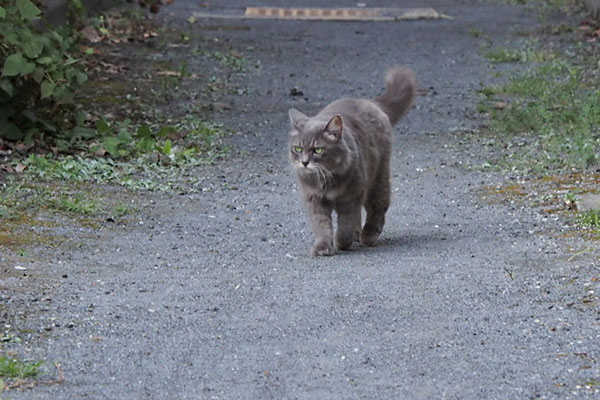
(297, 149)
(318, 150)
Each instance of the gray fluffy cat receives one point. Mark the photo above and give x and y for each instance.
(341, 158)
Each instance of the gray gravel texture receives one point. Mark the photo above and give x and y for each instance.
(214, 295)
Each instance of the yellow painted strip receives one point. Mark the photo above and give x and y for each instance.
(335, 14)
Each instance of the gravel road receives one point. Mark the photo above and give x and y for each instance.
(214, 295)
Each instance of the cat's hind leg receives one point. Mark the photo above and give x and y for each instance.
(348, 224)
(377, 203)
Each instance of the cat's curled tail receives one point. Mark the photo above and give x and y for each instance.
(400, 90)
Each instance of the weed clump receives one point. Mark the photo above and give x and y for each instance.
(551, 121)
(12, 368)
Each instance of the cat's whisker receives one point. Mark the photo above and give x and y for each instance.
(324, 177)
(329, 176)
(320, 177)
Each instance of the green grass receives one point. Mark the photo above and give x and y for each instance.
(475, 32)
(592, 382)
(75, 204)
(527, 52)
(504, 55)
(543, 3)
(229, 59)
(21, 196)
(551, 120)
(12, 368)
(590, 220)
(120, 210)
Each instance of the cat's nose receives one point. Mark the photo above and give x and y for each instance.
(305, 163)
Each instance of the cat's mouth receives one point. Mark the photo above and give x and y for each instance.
(306, 168)
(322, 175)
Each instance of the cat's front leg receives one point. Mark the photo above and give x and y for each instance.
(319, 213)
(348, 224)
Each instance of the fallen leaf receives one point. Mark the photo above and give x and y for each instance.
(91, 34)
(219, 107)
(20, 167)
(499, 105)
(111, 68)
(23, 148)
(167, 73)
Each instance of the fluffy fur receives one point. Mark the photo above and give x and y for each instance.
(341, 158)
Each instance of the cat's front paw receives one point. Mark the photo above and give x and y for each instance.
(322, 249)
(344, 242)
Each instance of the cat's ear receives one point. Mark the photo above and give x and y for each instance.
(334, 128)
(297, 119)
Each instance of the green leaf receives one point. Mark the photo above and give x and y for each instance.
(80, 117)
(81, 77)
(16, 64)
(164, 131)
(12, 38)
(60, 95)
(38, 75)
(9, 131)
(13, 65)
(2, 15)
(124, 136)
(47, 89)
(166, 149)
(8, 87)
(70, 61)
(30, 115)
(44, 60)
(143, 131)
(82, 132)
(57, 76)
(32, 49)
(145, 144)
(28, 10)
(28, 68)
(102, 127)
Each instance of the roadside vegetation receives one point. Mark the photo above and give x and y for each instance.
(93, 113)
(95, 110)
(544, 118)
(549, 121)
(74, 112)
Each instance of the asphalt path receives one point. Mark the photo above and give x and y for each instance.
(215, 296)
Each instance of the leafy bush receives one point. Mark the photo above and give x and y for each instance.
(38, 78)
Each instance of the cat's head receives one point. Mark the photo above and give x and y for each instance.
(316, 146)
